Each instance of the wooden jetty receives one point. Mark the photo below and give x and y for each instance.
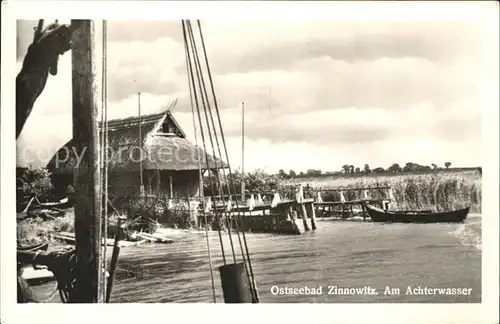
(282, 218)
(285, 215)
(345, 208)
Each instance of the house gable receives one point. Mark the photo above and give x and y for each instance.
(170, 126)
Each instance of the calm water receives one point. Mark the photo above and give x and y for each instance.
(342, 253)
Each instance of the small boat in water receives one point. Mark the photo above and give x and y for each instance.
(425, 216)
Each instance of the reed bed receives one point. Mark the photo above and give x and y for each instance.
(439, 191)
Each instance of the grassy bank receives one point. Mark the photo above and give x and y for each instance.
(441, 190)
(437, 190)
(36, 230)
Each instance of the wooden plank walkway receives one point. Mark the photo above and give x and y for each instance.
(326, 209)
(283, 218)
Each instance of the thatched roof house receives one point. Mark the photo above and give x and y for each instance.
(170, 163)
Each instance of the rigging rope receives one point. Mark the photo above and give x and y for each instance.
(201, 193)
(229, 221)
(206, 105)
(190, 69)
(252, 282)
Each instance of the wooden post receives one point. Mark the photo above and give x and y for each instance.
(171, 186)
(87, 174)
(243, 152)
(293, 217)
(141, 186)
(303, 212)
(312, 215)
(114, 257)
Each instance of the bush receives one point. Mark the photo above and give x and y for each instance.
(174, 212)
(35, 182)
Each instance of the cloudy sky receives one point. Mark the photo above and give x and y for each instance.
(317, 94)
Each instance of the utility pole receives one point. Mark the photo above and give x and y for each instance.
(243, 152)
(87, 173)
(140, 144)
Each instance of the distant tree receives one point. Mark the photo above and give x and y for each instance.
(415, 167)
(35, 182)
(434, 166)
(358, 170)
(259, 180)
(282, 174)
(301, 174)
(394, 168)
(351, 169)
(378, 170)
(410, 167)
(313, 173)
(346, 168)
(424, 168)
(366, 169)
(447, 164)
(292, 174)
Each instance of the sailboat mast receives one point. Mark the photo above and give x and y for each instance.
(140, 143)
(243, 151)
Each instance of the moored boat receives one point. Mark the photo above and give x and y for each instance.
(61, 204)
(33, 248)
(145, 224)
(426, 216)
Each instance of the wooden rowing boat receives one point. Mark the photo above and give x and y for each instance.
(61, 204)
(33, 248)
(425, 216)
(144, 224)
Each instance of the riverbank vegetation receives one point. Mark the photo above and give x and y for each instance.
(440, 191)
(434, 188)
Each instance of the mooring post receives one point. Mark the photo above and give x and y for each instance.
(312, 215)
(87, 174)
(114, 258)
(303, 213)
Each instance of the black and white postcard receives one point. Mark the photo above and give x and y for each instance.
(339, 153)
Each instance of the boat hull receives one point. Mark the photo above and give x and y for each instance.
(379, 215)
(33, 248)
(144, 224)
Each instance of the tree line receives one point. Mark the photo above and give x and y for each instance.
(351, 169)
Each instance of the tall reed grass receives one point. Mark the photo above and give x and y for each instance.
(438, 191)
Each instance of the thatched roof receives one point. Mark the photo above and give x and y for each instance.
(164, 147)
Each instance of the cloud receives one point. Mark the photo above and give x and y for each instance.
(140, 66)
(280, 43)
(313, 91)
